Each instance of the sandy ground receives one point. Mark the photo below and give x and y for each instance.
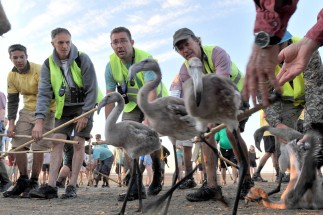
(100, 200)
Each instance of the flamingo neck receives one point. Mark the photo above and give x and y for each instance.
(114, 115)
(149, 86)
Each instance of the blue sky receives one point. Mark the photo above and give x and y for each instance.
(225, 23)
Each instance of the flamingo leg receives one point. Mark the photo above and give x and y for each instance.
(242, 172)
(175, 176)
(132, 181)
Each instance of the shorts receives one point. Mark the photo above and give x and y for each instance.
(187, 143)
(104, 166)
(253, 164)
(228, 154)
(269, 142)
(69, 113)
(24, 126)
(68, 155)
(135, 115)
(45, 167)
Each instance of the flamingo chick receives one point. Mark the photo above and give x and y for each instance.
(210, 91)
(136, 138)
(166, 115)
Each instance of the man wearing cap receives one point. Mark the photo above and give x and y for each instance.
(302, 90)
(215, 60)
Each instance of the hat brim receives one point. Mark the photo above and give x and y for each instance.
(185, 37)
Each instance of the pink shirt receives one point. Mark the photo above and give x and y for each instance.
(222, 64)
(273, 16)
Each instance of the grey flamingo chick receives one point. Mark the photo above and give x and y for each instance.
(4, 22)
(288, 134)
(306, 189)
(166, 115)
(136, 138)
(215, 99)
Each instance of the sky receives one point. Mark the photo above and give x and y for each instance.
(224, 23)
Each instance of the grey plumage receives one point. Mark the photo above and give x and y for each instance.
(304, 189)
(166, 115)
(4, 22)
(212, 99)
(136, 138)
(289, 135)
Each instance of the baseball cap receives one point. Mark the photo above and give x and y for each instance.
(182, 34)
(287, 36)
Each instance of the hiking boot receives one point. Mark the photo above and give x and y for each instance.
(45, 192)
(33, 185)
(246, 187)
(70, 192)
(19, 188)
(205, 193)
(132, 196)
(189, 183)
(154, 190)
(257, 177)
(5, 187)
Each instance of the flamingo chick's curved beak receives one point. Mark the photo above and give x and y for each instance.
(102, 103)
(195, 71)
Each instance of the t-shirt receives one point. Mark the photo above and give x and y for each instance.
(222, 137)
(101, 153)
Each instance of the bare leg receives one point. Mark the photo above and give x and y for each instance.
(55, 159)
(223, 174)
(38, 159)
(77, 160)
(210, 163)
(21, 160)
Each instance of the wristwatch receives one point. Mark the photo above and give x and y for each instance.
(264, 40)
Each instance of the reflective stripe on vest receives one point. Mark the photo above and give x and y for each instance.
(132, 91)
(236, 76)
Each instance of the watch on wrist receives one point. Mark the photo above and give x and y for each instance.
(264, 40)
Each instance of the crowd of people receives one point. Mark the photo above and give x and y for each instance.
(62, 91)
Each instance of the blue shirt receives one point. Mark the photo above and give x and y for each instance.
(148, 160)
(101, 153)
(111, 84)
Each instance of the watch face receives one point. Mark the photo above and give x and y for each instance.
(262, 39)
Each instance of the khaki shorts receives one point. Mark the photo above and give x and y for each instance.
(24, 126)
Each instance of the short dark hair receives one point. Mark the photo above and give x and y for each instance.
(17, 47)
(58, 31)
(119, 30)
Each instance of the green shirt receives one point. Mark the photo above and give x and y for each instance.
(222, 137)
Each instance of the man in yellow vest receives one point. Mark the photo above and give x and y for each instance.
(24, 80)
(116, 77)
(215, 60)
(69, 77)
(302, 92)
